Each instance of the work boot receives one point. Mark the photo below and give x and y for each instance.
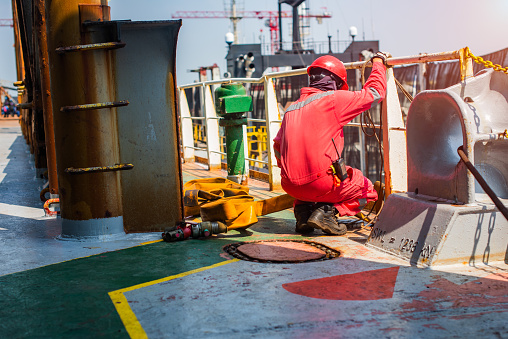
(302, 214)
(324, 218)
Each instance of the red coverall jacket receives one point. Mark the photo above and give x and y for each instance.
(304, 148)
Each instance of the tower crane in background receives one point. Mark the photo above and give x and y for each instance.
(270, 16)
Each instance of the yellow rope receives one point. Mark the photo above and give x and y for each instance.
(485, 63)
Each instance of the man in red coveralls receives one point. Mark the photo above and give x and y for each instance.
(305, 152)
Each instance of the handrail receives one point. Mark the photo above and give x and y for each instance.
(412, 59)
(393, 61)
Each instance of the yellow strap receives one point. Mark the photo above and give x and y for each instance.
(229, 202)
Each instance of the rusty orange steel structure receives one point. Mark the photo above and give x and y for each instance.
(28, 27)
(45, 90)
(91, 203)
(75, 70)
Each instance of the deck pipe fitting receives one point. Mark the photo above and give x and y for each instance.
(178, 234)
(231, 104)
(207, 228)
(195, 230)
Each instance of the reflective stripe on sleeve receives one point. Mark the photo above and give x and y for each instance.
(277, 154)
(376, 96)
(300, 104)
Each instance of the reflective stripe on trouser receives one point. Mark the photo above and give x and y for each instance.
(348, 198)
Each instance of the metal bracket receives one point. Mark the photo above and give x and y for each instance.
(99, 105)
(117, 167)
(26, 105)
(91, 47)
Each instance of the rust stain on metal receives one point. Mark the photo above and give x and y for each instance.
(99, 11)
(118, 167)
(89, 107)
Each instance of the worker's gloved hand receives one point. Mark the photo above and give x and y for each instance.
(383, 56)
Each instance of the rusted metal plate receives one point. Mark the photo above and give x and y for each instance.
(148, 127)
(288, 251)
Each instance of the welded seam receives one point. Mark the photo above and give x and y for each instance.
(129, 319)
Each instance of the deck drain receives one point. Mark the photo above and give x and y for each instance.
(281, 251)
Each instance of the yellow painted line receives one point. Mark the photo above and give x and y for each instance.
(129, 319)
(150, 242)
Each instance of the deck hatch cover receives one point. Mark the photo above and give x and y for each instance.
(281, 251)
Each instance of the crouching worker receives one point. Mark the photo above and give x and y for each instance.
(305, 151)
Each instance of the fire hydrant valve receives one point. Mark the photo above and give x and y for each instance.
(231, 104)
(232, 99)
(234, 104)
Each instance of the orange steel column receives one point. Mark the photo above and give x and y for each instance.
(20, 70)
(42, 43)
(20, 67)
(85, 136)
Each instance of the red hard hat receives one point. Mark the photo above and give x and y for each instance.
(333, 65)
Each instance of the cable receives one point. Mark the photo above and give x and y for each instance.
(486, 188)
(366, 119)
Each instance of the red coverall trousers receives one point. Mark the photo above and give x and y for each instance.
(304, 148)
(345, 198)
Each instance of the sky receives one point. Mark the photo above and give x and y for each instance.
(403, 27)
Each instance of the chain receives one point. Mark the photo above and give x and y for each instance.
(485, 63)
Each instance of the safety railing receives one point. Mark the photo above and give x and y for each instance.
(393, 127)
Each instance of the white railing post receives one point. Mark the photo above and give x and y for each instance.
(394, 139)
(186, 128)
(272, 128)
(212, 129)
(363, 152)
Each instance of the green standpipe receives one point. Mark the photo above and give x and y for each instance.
(231, 104)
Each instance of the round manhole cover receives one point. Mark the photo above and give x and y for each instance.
(281, 251)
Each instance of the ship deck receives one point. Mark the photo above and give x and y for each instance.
(140, 286)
